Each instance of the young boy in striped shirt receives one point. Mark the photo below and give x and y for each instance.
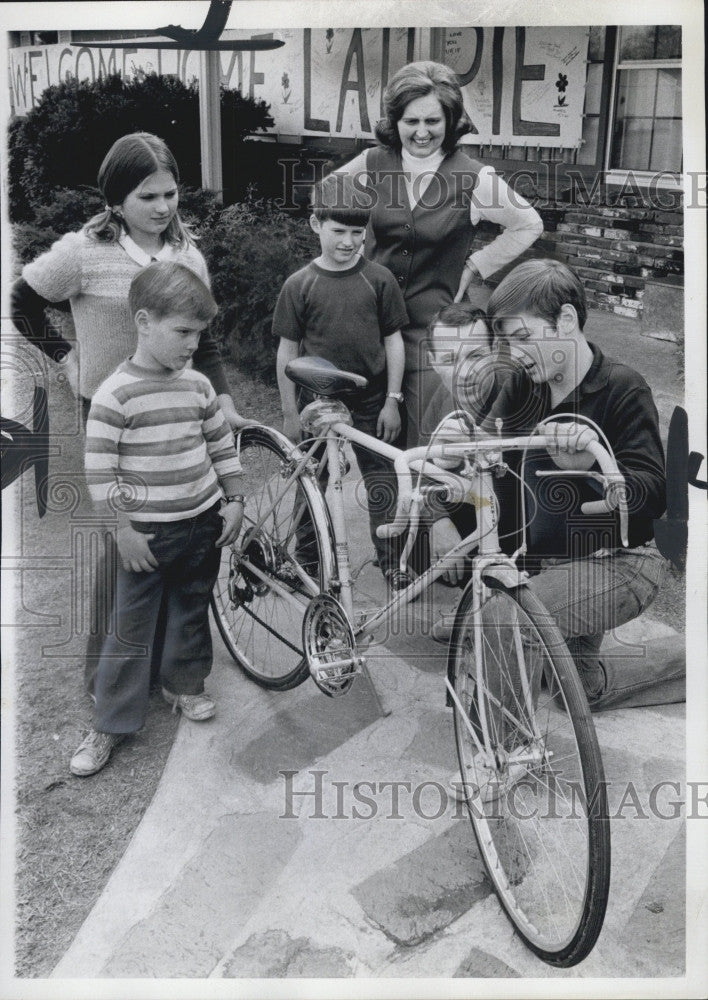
(159, 457)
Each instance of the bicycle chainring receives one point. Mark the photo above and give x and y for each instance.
(329, 646)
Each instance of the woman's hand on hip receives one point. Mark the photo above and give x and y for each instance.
(469, 273)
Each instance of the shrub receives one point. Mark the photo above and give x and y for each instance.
(251, 248)
(30, 240)
(62, 141)
(197, 206)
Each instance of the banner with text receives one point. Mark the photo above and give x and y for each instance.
(520, 85)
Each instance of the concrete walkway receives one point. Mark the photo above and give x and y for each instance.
(273, 848)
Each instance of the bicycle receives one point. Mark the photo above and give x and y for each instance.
(521, 719)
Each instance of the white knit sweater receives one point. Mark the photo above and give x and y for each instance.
(95, 278)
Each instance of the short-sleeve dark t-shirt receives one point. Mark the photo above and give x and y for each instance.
(342, 316)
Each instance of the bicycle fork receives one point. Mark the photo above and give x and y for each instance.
(531, 755)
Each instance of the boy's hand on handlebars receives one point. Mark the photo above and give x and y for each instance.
(568, 442)
(388, 425)
(134, 550)
(291, 427)
(452, 428)
(232, 516)
(443, 537)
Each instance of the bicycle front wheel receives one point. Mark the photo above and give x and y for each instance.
(532, 771)
(284, 554)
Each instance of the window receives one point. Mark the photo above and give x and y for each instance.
(647, 133)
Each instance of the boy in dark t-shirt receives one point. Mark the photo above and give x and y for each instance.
(350, 311)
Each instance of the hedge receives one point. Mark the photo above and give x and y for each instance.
(62, 141)
(250, 249)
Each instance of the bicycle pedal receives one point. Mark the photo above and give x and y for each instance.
(335, 678)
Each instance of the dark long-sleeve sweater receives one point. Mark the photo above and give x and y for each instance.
(620, 402)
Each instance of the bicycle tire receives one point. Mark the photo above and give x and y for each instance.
(260, 620)
(552, 874)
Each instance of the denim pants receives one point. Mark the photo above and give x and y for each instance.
(589, 596)
(380, 489)
(102, 615)
(183, 581)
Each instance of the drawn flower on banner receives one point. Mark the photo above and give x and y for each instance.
(329, 37)
(285, 84)
(562, 85)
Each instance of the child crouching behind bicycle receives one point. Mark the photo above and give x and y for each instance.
(160, 457)
(581, 572)
(350, 311)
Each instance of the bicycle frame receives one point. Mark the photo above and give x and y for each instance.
(487, 453)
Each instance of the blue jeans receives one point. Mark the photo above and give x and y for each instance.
(588, 597)
(182, 584)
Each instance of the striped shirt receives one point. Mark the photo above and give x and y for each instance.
(157, 444)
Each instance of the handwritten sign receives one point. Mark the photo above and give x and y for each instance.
(520, 85)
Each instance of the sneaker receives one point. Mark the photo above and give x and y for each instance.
(197, 707)
(485, 783)
(93, 753)
(399, 579)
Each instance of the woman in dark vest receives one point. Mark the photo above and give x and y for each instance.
(428, 197)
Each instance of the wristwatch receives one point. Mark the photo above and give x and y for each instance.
(398, 396)
(235, 498)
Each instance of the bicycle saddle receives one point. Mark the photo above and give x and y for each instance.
(322, 377)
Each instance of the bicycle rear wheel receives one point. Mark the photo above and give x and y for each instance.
(267, 580)
(536, 796)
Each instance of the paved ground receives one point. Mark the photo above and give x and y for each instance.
(234, 873)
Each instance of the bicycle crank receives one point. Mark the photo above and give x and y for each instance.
(329, 646)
